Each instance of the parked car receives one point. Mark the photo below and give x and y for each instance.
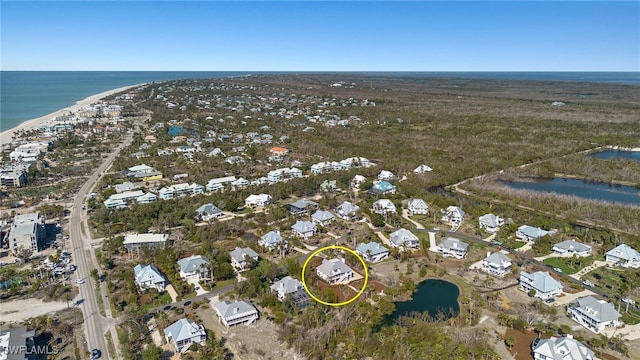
(550, 301)
(72, 267)
(557, 269)
(96, 354)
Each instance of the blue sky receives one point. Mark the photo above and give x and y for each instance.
(321, 36)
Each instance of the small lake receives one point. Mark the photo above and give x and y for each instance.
(617, 154)
(433, 296)
(581, 188)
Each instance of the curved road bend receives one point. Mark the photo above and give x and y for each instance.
(95, 324)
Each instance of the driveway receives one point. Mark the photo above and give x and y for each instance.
(567, 298)
(196, 284)
(595, 265)
(172, 292)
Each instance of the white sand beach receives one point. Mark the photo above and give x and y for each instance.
(5, 136)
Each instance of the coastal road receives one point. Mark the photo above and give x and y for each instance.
(95, 324)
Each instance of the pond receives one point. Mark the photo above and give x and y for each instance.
(434, 296)
(582, 188)
(617, 154)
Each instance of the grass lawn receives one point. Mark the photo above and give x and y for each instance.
(222, 283)
(566, 266)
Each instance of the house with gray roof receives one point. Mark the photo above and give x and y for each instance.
(208, 211)
(303, 229)
(417, 207)
(241, 258)
(530, 233)
(404, 239)
(571, 247)
(545, 286)
(453, 247)
(490, 222)
(497, 264)
(25, 232)
(125, 186)
(149, 277)
(624, 255)
(291, 289)
(270, 240)
(194, 267)
(184, 333)
(372, 251)
(596, 315)
(334, 271)
(347, 210)
(560, 348)
(237, 312)
(383, 206)
(322, 217)
(301, 206)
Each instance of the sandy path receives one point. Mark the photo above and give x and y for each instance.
(18, 310)
(5, 136)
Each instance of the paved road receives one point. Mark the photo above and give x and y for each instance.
(95, 324)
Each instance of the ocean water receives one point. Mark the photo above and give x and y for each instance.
(25, 95)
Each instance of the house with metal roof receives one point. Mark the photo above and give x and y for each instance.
(497, 264)
(382, 188)
(383, 206)
(453, 247)
(372, 251)
(417, 207)
(208, 211)
(596, 315)
(184, 333)
(624, 255)
(347, 210)
(453, 215)
(560, 348)
(404, 239)
(194, 266)
(291, 289)
(571, 247)
(304, 229)
(490, 222)
(241, 258)
(270, 240)
(545, 286)
(322, 217)
(301, 206)
(530, 233)
(334, 271)
(237, 312)
(149, 277)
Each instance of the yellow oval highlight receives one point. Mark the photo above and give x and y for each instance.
(364, 266)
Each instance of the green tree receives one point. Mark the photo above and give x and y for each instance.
(510, 341)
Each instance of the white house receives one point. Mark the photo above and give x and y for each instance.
(372, 251)
(417, 206)
(149, 277)
(422, 169)
(322, 217)
(386, 175)
(453, 215)
(624, 255)
(208, 211)
(134, 242)
(572, 247)
(453, 247)
(334, 271)
(303, 229)
(545, 286)
(240, 258)
(258, 200)
(497, 264)
(183, 333)
(194, 267)
(383, 206)
(237, 312)
(404, 239)
(270, 240)
(596, 315)
(490, 223)
(561, 348)
(530, 233)
(347, 210)
(292, 289)
(357, 181)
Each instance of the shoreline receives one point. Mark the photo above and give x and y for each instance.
(6, 136)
